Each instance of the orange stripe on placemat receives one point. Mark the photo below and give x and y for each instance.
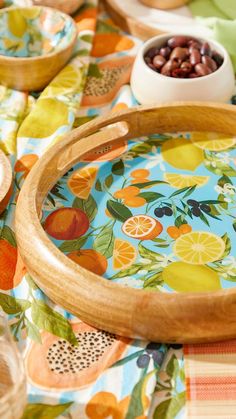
(211, 348)
(205, 388)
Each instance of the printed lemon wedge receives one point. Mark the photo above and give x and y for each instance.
(124, 254)
(183, 277)
(212, 141)
(142, 227)
(199, 247)
(183, 181)
(67, 81)
(81, 182)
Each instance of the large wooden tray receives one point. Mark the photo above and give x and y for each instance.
(159, 316)
(145, 22)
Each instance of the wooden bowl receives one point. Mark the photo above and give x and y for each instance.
(35, 45)
(5, 181)
(68, 6)
(156, 316)
(164, 4)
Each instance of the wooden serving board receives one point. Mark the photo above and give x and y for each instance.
(144, 22)
(175, 282)
(5, 181)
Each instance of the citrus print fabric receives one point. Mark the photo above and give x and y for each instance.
(154, 214)
(31, 33)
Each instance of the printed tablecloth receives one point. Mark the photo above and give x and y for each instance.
(105, 376)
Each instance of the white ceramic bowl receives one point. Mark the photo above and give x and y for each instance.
(150, 87)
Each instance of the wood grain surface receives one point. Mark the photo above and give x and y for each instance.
(164, 317)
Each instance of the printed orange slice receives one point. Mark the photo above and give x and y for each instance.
(142, 227)
(124, 254)
(81, 182)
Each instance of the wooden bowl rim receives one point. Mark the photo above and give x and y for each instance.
(25, 60)
(6, 183)
(167, 317)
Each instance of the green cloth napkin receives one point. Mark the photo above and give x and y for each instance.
(220, 16)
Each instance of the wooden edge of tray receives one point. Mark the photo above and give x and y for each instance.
(6, 183)
(128, 23)
(163, 317)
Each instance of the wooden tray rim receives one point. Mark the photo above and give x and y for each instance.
(163, 317)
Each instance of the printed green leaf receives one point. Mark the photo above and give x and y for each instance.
(109, 181)
(12, 305)
(227, 242)
(204, 219)
(118, 168)
(190, 191)
(169, 408)
(89, 206)
(98, 186)
(146, 253)
(234, 225)
(219, 167)
(132, 270)
(87, 38)
(180, 191)
(104, 241)
(172, 366)
(82, 53)
(81, 120)
(119, 211)
(103, 27)
(150, 196)
(223, 180)
(32, 331)
(45, 411)
(73, 245)
(151, 183)
(135, 408)
(153, 280)
(44, 317)
(223, 203)
(8, 235)
(94, 71)
(127, 359)
(142, 148)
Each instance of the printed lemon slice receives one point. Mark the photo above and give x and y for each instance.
(67, 81)
(124, 254)
(183, 181)
(81, 182)
(212, 141)
(142, 227)
(199, 247)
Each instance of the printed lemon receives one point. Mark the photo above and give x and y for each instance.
(124, 254)
(30, 13)
(16, 23)
(67, 81)
(183, 277)
(182, 154)
(183, 181)
(212, 141)
(199, 247)
(45, 118)
(142, 227)
(81, 182)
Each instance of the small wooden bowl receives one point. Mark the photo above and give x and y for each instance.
(68, 6)
(36, 44)
(164, 4)
(157, 316)
(5, 181)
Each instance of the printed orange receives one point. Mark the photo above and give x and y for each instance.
(124, 254)
(142, 227)
(81, 182)
(90, 259)
(108, 43)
